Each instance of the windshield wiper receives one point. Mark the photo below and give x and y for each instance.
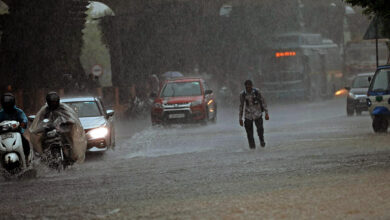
(174, 91)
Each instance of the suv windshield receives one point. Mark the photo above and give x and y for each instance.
(85, 109)
(361, 82)
(177, 89)
(381, 81)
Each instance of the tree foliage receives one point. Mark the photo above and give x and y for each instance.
(377, 7)
(94, 51)
(380, 8)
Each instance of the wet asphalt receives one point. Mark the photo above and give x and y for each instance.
(318, 163)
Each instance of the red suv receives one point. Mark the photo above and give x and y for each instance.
(184, 100)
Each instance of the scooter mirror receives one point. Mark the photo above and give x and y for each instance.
(369, 79)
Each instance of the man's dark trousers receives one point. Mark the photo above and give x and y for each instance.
(249, 130)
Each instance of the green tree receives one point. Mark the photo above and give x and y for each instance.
(379, 8)
(94, 51)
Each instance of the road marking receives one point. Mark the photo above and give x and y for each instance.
(329, 139)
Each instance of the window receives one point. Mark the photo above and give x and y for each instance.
(381, 81)
(85, 109)
(361, 82)
(177, 89)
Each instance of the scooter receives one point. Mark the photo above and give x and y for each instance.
(225, 95)
(139, 107)
(55, 147)
(13, 160)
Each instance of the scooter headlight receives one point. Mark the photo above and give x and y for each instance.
(11, 161)
(98, 133)
(51, 133)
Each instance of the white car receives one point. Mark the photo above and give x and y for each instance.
(98, 123)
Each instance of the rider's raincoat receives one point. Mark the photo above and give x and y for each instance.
(63, 114)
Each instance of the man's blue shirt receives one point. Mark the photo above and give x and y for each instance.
(17, 115)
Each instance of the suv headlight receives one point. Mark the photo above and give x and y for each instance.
(98, 133)
(157, 105)
(351, 95)
(197, 102)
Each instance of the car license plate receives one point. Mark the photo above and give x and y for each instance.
(176, 115)
(6, 136)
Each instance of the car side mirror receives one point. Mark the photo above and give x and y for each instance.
(208, 92)
(369, 79)
(110, 113)
(31, 118)
(347, 88)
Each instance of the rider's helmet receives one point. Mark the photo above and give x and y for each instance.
(8, 102)
(52, 100)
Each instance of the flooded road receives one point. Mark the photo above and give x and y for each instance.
(318, 163)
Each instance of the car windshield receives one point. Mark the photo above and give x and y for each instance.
(177, 89)
(361, 82)
(85, 109)
(381, 80)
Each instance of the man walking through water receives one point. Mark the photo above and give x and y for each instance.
(255, 105)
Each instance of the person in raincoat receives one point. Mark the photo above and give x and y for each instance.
(60, 114)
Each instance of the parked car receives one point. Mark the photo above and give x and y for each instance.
(98, 123)
(357, 96)
(184, 100)
(378, 100)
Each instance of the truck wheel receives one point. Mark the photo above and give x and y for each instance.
(380, 124)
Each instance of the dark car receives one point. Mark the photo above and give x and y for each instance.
(98, 123)
(357, 96)
(184, 100)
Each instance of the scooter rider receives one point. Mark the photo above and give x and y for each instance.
(9, 112)
(254, 104)
(61, 115)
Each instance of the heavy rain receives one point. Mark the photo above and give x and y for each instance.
(183, 109)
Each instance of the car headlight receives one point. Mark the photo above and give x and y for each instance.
(98, 133)
(157, 105)
(351, 95)
(197, 102)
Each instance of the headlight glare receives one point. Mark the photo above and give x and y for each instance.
(98, 133)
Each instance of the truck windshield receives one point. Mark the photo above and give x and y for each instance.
(381, 81)
(282, 68)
